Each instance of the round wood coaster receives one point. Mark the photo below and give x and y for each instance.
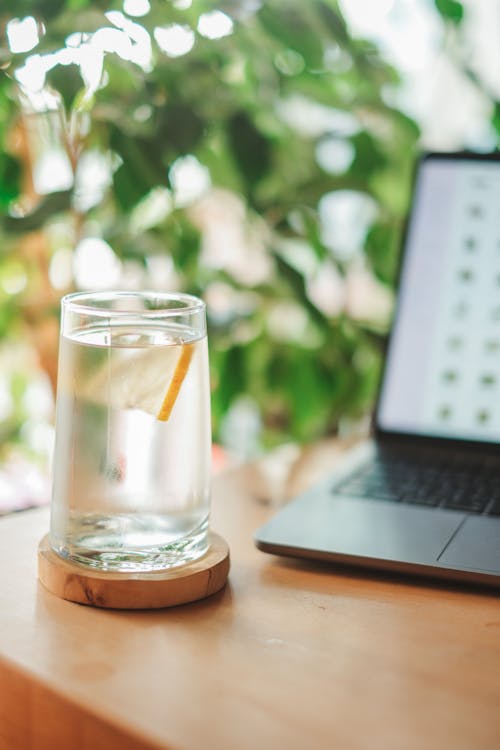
(151, 590)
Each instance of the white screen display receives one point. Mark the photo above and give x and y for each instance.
(442, 375)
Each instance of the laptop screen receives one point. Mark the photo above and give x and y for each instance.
(442, 374)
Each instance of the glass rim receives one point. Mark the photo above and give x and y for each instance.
(190, 304)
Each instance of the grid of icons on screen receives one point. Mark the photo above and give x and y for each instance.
(465, 392)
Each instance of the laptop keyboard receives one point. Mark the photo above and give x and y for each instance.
(447, 483)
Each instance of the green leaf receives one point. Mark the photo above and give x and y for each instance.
(288, 26)
(230, 377)
(251, 150)
(369, 156)
(182, 240)
(10, 179)
(308, 391)
(128, 187)
(180, 128)
(382, 248)
(334, 21)
(67, 81)
(495, 118)
(141, 169)
(313, 234)
(40, 8)
(9, 312)
(450, 10)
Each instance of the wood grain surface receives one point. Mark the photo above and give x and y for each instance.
(154, 590)
(288, 656)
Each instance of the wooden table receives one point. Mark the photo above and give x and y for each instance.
(290, 655)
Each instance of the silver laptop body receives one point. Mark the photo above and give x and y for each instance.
(423, 496)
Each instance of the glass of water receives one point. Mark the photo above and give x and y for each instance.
(131, 469)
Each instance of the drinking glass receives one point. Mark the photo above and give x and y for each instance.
(131, 469)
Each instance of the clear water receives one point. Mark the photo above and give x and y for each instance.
(130, 492)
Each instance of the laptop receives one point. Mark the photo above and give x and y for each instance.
(422, 496)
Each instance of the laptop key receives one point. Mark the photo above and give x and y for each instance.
(384, 495)
(358, 490)
(427, 499)
(469, 504)
(456, 487)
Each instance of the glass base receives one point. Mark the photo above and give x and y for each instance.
(126, 546)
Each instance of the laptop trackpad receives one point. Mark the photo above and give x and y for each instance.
(476, 545)
(361, 528)
(391, 531)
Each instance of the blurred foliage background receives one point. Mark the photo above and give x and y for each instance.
(258, 154)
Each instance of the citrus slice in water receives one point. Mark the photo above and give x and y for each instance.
(147, 379)
(180, 372)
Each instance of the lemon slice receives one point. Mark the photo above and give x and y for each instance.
(138, 380)
(180, 371)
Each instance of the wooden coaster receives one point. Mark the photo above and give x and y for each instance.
(151, 590)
